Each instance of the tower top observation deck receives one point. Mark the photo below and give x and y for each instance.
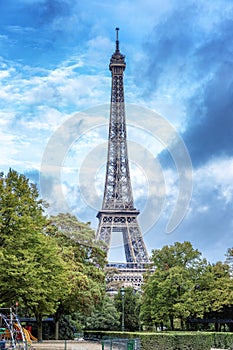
(117, 59)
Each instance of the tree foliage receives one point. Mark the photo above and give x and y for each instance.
(87, 259)
(32, 271)
(131, 300)
(55, 267)
(184, 286)
(50, 266)
(104, 317)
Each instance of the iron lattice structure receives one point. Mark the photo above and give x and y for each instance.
(118, 213)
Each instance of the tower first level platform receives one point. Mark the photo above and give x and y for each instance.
(125, 223)
(125, 274)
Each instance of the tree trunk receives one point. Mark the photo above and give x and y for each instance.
(57, 317)
(39, 327)
(181, 323)
(171, 323)
(56, 329)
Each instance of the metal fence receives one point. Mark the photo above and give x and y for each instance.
(121, 344)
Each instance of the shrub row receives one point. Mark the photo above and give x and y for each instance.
(171, 340)
(222, 340)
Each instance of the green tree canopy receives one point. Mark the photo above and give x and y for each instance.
(215, 288)
(79, 250)
(32, 271)
(104, 317)
(184, 285)
(168, 290)
(131, 300)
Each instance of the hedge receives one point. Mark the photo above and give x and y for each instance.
(171, 340)
(193, 341)
(222, 340)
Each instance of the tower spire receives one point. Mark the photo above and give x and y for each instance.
(117, 41)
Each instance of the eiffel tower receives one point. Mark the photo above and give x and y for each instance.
(118, 213)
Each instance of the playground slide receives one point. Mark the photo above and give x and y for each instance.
(15, 333)
(28, 335)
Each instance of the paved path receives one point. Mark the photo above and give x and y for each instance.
(69, 345)
(81, 345)
(61, 345)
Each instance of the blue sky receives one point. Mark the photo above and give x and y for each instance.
(55, 90)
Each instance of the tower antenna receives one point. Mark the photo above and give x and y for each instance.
(117, 41)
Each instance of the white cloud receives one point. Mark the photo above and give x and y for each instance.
(47, 119)
(218, 176)
(5, 119)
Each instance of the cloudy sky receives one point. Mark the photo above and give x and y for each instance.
(54, 95)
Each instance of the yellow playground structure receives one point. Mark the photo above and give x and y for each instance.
(12, 334)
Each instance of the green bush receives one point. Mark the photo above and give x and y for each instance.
(172, 340)
(193, 341)
(158, 341)
(176, 341)
(222, 340)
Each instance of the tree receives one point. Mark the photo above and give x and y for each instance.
(32, 271)
(168, 291)
(179, 254)
(79, 250)
(229, 259)
(104, 317)
(185, 286)
(215, 292)
(131, 308)
(82, 236)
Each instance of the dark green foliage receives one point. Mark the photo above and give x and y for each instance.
(67, 328)
(195, 341)
(158, 341)
(104, 317)
(131, 308)
(184, 286)
(222, 340)
(163, 341)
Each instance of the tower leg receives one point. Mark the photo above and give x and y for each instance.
(135, 250)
